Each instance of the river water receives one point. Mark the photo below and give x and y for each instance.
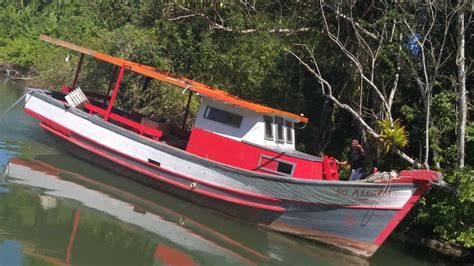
(56, 209)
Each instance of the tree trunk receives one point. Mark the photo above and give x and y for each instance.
(435, 159)
(427, 128)
(407, 158)
(462, 97)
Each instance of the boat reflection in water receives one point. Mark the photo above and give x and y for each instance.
(103, 219)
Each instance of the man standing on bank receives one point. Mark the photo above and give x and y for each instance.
(356, 160)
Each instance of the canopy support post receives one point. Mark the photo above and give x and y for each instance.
(78, 69)
(187, 110)
(114, 93)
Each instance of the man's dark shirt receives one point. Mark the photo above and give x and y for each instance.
(356, 159)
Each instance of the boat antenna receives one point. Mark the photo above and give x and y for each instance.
(302, 127)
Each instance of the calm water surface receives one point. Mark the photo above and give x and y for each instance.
(58, 210)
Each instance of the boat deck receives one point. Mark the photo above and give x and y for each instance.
(164, 132)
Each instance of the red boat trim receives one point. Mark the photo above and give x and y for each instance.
(370, 207)
(160, 178)
(60, 129)
(77, 215)
(402, 213)
(401, 180)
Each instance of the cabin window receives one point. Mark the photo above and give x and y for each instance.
(285, 168)
(275, 166)
(279, 129)
(223, 117)
(289, 131)
(268, 127)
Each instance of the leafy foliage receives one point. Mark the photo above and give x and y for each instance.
(393, 134)
(470, 132)
(449, 213)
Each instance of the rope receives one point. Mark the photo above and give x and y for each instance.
(380, 175)
(30, 91)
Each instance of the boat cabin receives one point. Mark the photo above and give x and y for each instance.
(241, 137)
(227, 129)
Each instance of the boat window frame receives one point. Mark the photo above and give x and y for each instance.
(279, 125)
(268, 157)
(266, 119)
(289, 131)
(229, 116)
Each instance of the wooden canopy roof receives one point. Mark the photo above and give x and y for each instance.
(182, 82)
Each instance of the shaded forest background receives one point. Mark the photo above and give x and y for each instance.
(386, 72)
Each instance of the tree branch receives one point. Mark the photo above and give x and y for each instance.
(220, 26)
(328, 94)
(356, 62)
(353, 22)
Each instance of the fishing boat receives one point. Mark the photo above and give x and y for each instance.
(238, 158)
